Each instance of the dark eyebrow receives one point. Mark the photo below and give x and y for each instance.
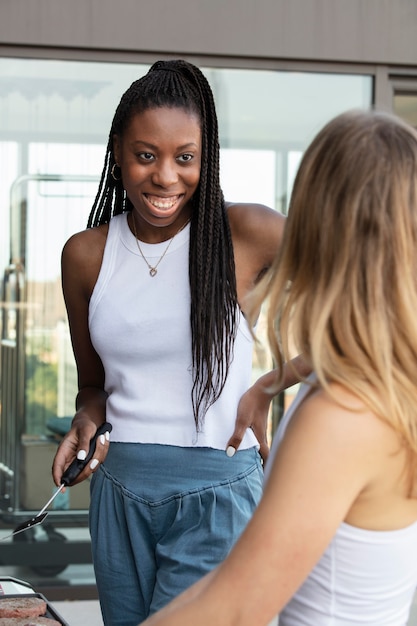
(186, 146)
(144, 144)
(150, 146)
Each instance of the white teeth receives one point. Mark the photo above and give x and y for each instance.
(163, 205)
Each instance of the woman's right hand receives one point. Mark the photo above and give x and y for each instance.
(76, 444)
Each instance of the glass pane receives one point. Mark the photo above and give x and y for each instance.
(405, 106)
(54, 122)
(277, 112)
(266, 120)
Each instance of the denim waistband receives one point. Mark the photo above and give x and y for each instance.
(166, 470)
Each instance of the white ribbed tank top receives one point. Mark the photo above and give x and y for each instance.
(140, 328)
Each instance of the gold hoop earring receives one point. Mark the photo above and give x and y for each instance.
(116, 178)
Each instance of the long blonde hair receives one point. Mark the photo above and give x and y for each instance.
(343, 288)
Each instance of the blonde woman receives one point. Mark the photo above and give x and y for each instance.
(334, 539)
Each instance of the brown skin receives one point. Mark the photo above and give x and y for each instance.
(159, 156)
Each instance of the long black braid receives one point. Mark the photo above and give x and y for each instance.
(211, 261)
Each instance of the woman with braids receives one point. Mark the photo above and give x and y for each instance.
(155, 292)
(333, 541)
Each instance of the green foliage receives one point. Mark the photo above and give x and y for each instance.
(41, 394)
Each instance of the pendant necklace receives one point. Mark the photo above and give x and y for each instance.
(153, 268)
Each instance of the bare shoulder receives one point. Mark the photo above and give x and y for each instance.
(246, 217)
(86, 243)
(82, 256)
(339, 416)
(340, 441)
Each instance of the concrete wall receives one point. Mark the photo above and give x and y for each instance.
(358, 31)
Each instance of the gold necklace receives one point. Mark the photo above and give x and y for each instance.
(153, 268)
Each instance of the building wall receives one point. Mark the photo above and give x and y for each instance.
(353, 31)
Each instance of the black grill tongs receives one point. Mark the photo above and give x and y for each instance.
(68, 477)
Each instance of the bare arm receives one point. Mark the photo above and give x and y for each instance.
(257, 233)
(81, 258)
(254, 405)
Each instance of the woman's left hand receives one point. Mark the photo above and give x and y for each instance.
(252, 413)
(254, 405)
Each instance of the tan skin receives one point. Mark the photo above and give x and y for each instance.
(160, 157)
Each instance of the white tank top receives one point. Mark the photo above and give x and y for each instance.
(140, 328)
(364, 578)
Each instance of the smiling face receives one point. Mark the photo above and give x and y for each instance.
(159, 155)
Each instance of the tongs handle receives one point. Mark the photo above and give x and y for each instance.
(77, 466)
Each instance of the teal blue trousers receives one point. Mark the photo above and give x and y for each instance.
(163, 516)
